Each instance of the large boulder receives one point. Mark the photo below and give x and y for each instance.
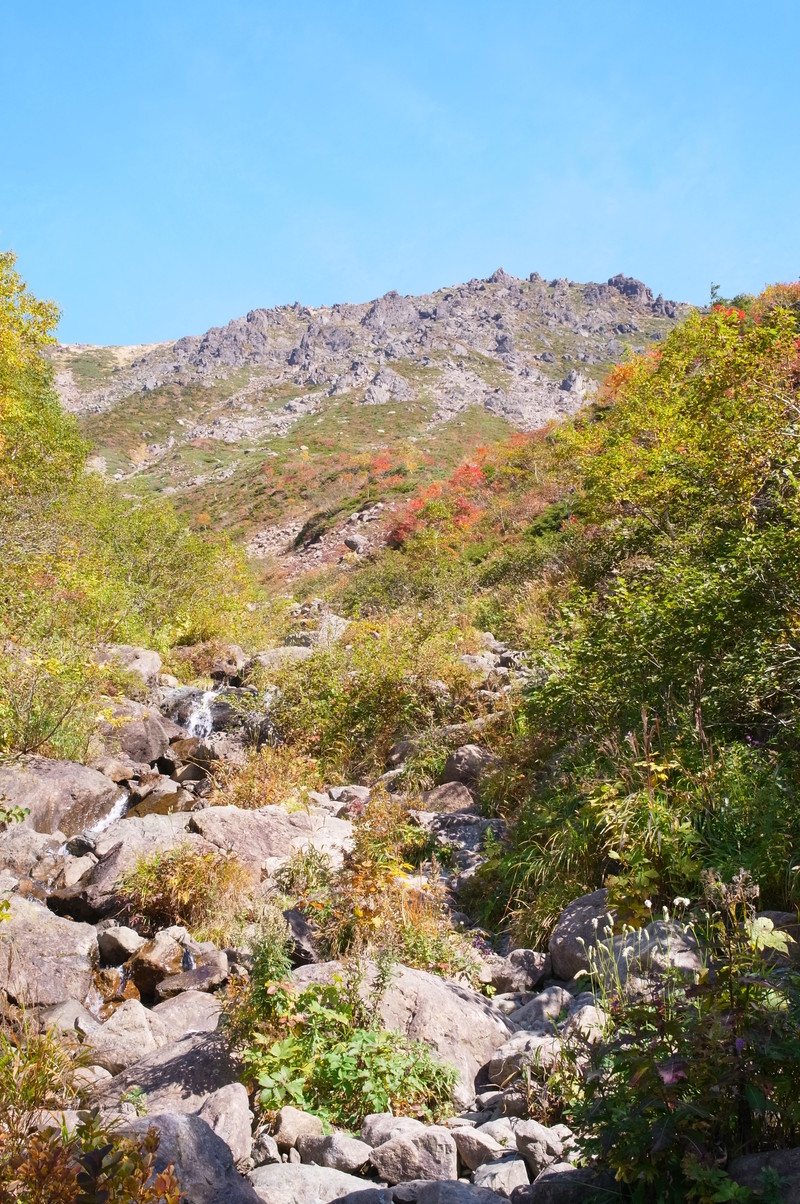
(269, 837)
(749, 1170)
(129, 1034)
(449, 797)
(130, 730)
(188, 1013)
(299, 1183)
(227, 1112)
(144, 662)
(461, 1026)
(22, 849)
(177, 1077)
(428, 1154)
(44, 959)
(59, 796)
(337, 1150)
(580, 926)
(203, 1162)
(467, 764)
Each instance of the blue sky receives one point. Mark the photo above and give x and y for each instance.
(165, 167)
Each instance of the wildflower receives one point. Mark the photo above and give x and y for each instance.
(681, 901)
(648, 904)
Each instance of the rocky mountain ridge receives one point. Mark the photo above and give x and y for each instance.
(522, 352)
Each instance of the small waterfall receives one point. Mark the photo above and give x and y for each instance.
(201, 721)
(118, 809)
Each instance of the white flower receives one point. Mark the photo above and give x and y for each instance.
(648, 904)
(681, 901)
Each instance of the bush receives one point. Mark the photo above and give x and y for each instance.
(690, 1076)
(207, 892)
(322, 1049)
(89, 1164)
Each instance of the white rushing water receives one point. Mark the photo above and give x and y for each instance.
(118, 809)
(200, 722)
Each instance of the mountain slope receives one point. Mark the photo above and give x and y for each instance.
(284, 412)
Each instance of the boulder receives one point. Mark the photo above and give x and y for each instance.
(117, 944)
(502, 1176)
(43, 958)
(540, 1014)
(449, 1191)
(475, 1148)
(129, 1034)
(203, 1162)
(467, 764)
(59, 796)
(190, 1012)
(292, 1123)
(210, 970)
(461, 1026)
(133, 730)
(153, 961)
(380, 1127)
(69, 1016)
(449, 797)
(660, 946)
(579, 928)
(562, 1183)
(524, 1049)
(279, 658)
(522, 970)
(270, 836)
(23, 849)
(281, 1183)
(429, 1154)
(145, 663)
(337, 1150)
(227, 1112)
(748, 1171)
(538, 1145)
(178, 1076)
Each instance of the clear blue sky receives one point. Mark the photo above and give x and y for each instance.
(167, 166)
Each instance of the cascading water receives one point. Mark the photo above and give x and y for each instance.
(201, 720)
(118, 809)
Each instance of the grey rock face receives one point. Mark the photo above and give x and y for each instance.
(502, 1176)
(129, 1034)
(380, 1127)
(132, 730)
(190, 1012)
(579, 927)
(43, 958)
(271, 834)
(538, 1015)
(177, 1077)
(279, 1183)
(292, 1123)
(144, 662)
(450, 797)
(475, 1148)
(429, 1154)
(747, 1171)
(538, 1145)
(60, 796)
(117, 944)
(467, 764)
(336, 1150)
(453, 1192)
(203, 1162)
(227, 1112)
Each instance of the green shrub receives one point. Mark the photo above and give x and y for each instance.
(322, 1049)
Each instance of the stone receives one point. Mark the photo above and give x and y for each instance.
(133, 730)
(502, 1176)
(129, 1034)
(22, 849)
(228, 663)
(292, 1123)
(448, 798)
(446, 1191)
(475, 1148)
(227, 1112)
(203, 1162)
(660, 946)
(44, 959)
(538, 1145)
(467, 764)
(272, 835)
(76, 867)
(336, 1150)
(177, 1077)
(748, 1169)
(59, 796)
(500, 1130)
(117, 944)
(350, 794)
(278, 658)
(189, 1012)
(524, 1049)
(264, 1149)
(69, 1016)
(303, 937)
(522, 970)
(576, 932)
(562, 1183)
(155, 960)
(380, 1127)
(356, 543)
(462, 1027)
(430, 1154)
(144, 662)
(282, 1183)
(540, 1014)
(210, 970)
